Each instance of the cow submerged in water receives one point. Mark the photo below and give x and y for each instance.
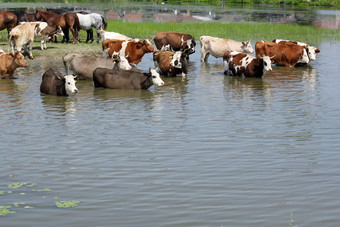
(125, 79)
(54, 83)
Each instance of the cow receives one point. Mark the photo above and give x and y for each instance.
(126, 79)
(83, 65)
(170, 63)
(178, 41)
(311, 50)
(241, 64)
(217, 47)
(132, 50)
(112, 35)
(47, 32)
(280, 54)
(54, 83)
(10, 62)
(22, 36)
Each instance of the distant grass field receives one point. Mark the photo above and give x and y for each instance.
(236, 31)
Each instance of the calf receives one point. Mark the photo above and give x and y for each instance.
(10, 62)
(178, 41)
(170, 63)
(112, 35)
(83, 65)
(124, 79)
(311, 50)
(54, 83)
(132, 50)
(22, 35)
(287, 55)
(47, 32)
(218, 46)
(241, 64)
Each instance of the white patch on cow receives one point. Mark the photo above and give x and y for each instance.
(176, 60)
(70, 85)
(156, 78)
(311, 53)
(267, 63)
(124, 63)
(304, 57)
(190, 45)
(123, 49)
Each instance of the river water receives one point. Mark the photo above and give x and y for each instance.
(207, 150)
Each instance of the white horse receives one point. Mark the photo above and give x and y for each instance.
(87, 21)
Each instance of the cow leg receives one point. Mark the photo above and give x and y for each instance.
(204, 56)
(42, 44)
(98, 36)
(30, 50)
(12, 45)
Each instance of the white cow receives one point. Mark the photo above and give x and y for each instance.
(112, 35)
(22, 36)
(218, 46)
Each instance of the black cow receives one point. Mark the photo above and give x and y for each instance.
(125, 79)
(54, 83)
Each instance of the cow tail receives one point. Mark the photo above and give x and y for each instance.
(104, 22)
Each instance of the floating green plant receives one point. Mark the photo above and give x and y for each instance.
(18, 204)
(66, 204)
(2, 192)
(4, 210)
(42, 190)
(19, 185)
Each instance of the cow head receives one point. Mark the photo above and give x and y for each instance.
(59, 31)
(156, 78)
(247, 47)
(312, 52)
(19, 59)
(122, 61)
(267, 63)
(304, 56)
(148, 47)
(188, 46)
(176, 60)
(70, 84)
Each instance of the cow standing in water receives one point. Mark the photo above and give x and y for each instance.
(126, 79)
(170, 63)
(241, 64)
(10, 62)
(218, 46)
(54, 83)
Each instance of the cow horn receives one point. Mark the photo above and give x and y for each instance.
(272, 56)
(127, 55)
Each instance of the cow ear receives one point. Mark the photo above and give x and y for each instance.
(243, 43)
(317, 50)
(139, 45)
(75, 77)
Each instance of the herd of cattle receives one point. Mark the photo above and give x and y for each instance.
(120, 53)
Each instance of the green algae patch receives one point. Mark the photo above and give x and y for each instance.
(18, 204)
(2, 192)
(42, 190)
(28, 207)
(66, 204)
(19, 185)
(4, 210)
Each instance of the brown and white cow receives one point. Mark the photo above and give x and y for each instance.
(178, 41)
(10, 62)
(47, 32)
(170, 63)
(22, 36)
(241, 64)
(54, 83)
(83, 65)
(126, 79)
(287, 55)
(311, 50)
(132, 50)
(218, 46)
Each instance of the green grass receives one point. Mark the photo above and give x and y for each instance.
(236, 31)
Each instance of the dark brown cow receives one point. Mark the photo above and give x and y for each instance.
(170, 63)
(178, 41)
(287, 55)
(125, 79)
(10, 62)
(7, 20)
(241, 64)
(134, 51)
(54, 83)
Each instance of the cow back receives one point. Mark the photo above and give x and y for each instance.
(52, 83)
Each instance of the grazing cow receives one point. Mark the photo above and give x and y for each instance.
(170, 63)
(8, 20)
(10, 62)
(311, 50)
(287, 55)
(54, 83)
(125, 79)
(133, 51)
(22, 36)
(218, 46)
(241, 64)
(112, 35)
(83, 65)
(178, 41)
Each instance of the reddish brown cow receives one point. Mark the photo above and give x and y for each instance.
(170, 63)
(287, 55)
(7, 20)
(10, 62)
(133, 51)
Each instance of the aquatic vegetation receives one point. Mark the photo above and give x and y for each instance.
(41, 190)
(4, 210)
(67, 204)
(18, 204)
(2, 192)
(19, 185)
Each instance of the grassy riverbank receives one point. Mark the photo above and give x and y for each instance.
(235, 31)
